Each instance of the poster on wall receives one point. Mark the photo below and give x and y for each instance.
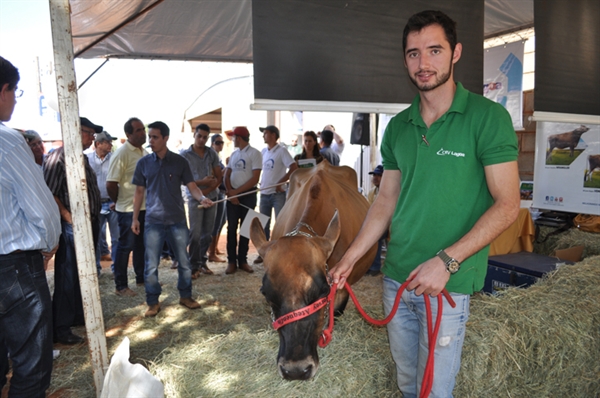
(567, 167)
(503, 78)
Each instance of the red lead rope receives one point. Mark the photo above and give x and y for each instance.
(432, 330)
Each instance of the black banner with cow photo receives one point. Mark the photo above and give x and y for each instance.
(567, 167)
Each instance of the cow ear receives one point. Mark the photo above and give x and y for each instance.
(332, 234)
(257, 235)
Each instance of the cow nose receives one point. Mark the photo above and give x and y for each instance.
(297, 373)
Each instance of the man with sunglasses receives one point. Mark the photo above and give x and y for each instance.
(67, 307)
(217, 144)
(204, 163)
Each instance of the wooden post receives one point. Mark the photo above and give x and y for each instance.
(76, 182)
(374, 150)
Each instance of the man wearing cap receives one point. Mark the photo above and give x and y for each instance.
(376, 180)
(161, 175)
(99, 161)
(37, 146)
(67, 307)
(29, 233)
(207, 174)
(241, 175)
(277, 167)
(121, 191)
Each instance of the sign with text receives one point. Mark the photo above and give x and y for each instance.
(567, 167)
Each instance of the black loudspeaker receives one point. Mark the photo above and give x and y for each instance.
(360, 134)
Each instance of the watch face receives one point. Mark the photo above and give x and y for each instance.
(453, 266)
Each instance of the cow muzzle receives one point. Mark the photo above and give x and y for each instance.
(298, 370)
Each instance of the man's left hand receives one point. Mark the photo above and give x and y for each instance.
(429, 278)
(48, 256)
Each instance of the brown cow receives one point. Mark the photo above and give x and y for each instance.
(594, 163)
(303, 245)
(566, 140)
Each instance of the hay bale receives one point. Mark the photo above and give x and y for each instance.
(564, 240)
(542, 341)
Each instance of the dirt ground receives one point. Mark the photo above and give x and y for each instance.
(221, 247)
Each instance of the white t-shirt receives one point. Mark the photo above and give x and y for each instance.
(242, 164)
(275, 163)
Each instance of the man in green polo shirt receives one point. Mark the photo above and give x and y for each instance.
(450, 187)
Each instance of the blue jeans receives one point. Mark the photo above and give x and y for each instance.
(268, 203)
(67, 306)
(202, 222)
(407, 334)
(112, 219)
(155, 237)
(128, 242)
(25, 324)
(238, 254)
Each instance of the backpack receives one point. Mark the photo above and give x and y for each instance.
(587, 223)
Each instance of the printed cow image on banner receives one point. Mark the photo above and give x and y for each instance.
(567, 167)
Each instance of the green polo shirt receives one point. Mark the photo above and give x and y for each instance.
(443, 189)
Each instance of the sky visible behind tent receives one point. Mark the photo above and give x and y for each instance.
(150, 90)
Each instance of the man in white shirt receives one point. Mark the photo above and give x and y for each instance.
(99, 161)
(241, 175)
(277, 167)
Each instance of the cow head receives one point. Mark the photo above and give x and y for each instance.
(295, 277)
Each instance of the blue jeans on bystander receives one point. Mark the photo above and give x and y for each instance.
(110, 217)
(25, 324)
(128, 242)
(202, 222)
(268, 203)
(177, 235)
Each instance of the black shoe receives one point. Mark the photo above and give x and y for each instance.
(69, 339)
(372, 272)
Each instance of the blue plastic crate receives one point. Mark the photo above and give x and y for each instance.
(517, 269)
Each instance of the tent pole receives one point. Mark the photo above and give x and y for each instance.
(66, 88)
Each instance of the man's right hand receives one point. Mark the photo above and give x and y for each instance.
(135, 226)
(341, 271)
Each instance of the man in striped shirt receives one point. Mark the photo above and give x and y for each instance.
(29, 231)
(67, 307)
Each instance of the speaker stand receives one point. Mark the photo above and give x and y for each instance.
(361, 168)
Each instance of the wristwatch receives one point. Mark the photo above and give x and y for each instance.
(452, 266)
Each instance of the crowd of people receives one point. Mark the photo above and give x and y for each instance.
(136, 195)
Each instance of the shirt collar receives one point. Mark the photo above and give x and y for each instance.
(459, 104)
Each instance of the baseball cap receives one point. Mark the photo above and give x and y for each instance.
(31, 135)
(270, 128)
(378, 170)
(85, 122)
(104, 136)
(240, 131)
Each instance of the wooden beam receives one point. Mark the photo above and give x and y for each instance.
(66, 88)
